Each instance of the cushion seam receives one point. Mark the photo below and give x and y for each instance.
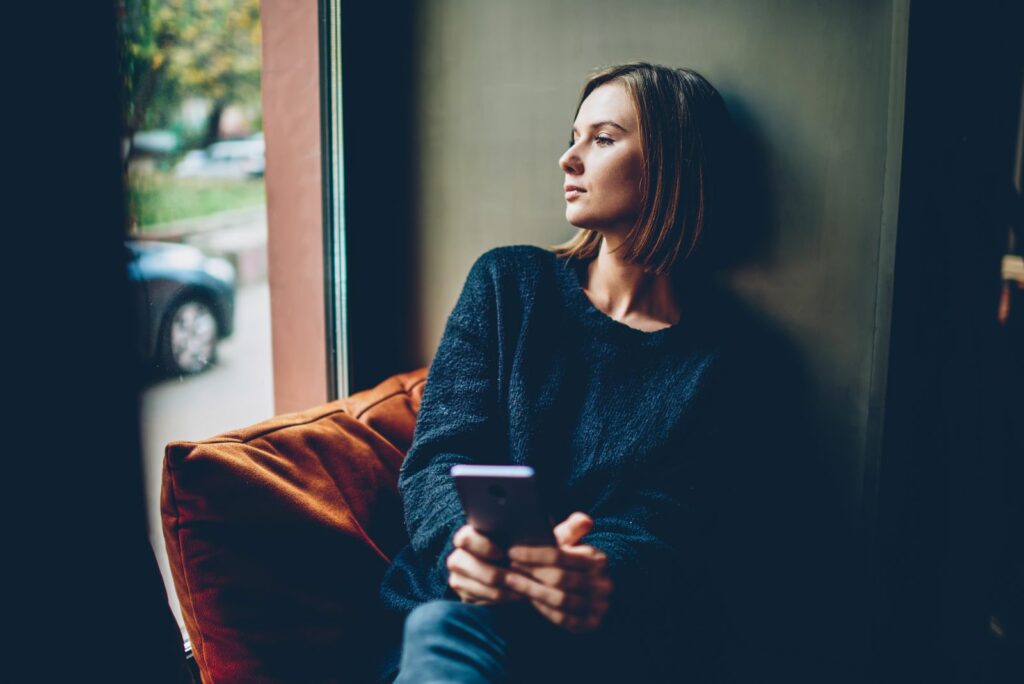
(404, 390)
(233, 440)
(352, 516)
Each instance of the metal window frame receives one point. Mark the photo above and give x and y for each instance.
(332, 173)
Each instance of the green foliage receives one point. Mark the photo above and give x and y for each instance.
(173, 49)
(160, 197)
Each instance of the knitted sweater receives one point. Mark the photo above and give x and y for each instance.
(615, 421)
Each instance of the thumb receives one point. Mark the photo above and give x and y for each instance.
(572, 529)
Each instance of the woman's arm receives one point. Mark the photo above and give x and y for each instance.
(460, 420)
(654, 538)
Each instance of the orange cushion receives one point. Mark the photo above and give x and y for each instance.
(278, 535)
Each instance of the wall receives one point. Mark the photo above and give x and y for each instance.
(291, 124)
(816, 85)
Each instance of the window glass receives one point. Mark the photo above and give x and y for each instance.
(197, 240)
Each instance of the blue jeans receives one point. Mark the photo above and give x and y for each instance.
(449, 641)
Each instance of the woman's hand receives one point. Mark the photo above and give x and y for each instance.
(567, 584)
(473, 574)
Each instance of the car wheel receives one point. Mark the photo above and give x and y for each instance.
(189, 340)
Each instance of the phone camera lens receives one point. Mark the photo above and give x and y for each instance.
(498, 492)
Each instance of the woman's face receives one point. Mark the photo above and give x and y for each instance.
(603, 165)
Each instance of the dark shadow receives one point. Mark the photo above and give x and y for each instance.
(784, 570)
(950, 561)
(88, 602)
(782, 562)
(381, 183)
(742, 230)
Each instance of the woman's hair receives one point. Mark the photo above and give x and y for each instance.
(682, 122)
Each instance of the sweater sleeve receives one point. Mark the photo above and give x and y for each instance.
(458, 422)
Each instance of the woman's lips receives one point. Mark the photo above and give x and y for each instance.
(572, 192)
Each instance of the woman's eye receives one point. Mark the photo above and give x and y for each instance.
(601, 140)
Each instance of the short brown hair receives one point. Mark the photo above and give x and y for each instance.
(681, 122)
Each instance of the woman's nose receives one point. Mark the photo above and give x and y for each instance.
(570, 162)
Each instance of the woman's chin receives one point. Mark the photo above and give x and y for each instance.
(577, 221)
(574, 218)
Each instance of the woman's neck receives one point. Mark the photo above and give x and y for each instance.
(628, 293)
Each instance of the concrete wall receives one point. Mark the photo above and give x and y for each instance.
(818, 85)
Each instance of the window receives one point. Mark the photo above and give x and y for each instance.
(194, 162)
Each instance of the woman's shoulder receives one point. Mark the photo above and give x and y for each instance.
(514, 267)
(516, 257)
(505, 281)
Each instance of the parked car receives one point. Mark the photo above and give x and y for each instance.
(241, 158)
(185, 302)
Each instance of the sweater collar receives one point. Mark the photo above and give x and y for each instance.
(571, 273)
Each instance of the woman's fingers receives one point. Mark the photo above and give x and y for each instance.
(566, 584)
(472, 591)
(597, 558)
(572, 580)
(585, 622)
(572, 623)
(469, 539)
(593, 601)
(552, 597)
(581, 557)
(465, 563)
(477, 581)
(576, 581)
(573, 528)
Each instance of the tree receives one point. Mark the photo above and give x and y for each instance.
(172, 49)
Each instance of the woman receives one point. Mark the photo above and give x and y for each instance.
(591, 362)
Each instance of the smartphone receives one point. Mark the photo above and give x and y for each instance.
(503, 503)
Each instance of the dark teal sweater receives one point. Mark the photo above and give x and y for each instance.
(615, 421)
